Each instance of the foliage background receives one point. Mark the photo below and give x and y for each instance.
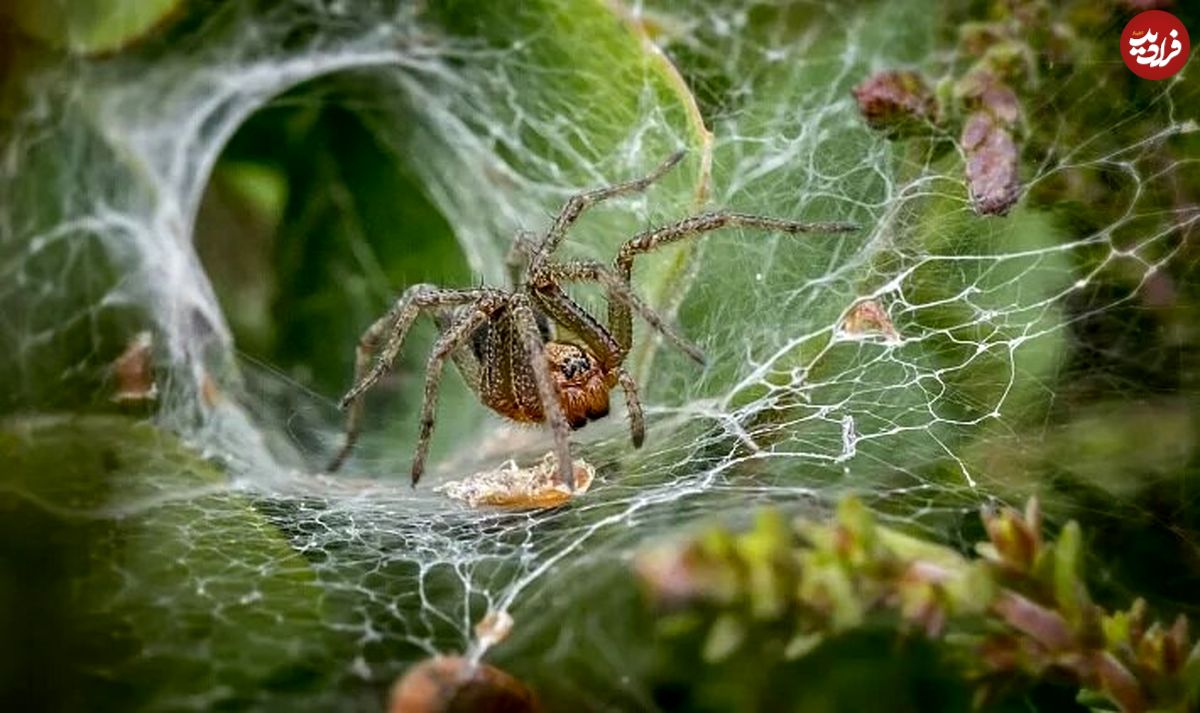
(253, 182)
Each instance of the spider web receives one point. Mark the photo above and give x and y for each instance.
(794, 408)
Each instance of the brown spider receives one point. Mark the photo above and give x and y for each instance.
(513, 362)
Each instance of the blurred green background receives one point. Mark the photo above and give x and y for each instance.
(254, 182)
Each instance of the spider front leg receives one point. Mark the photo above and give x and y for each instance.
(393, 327)
(580, 202)
(610, 346)
(552, 412)
(619, 316)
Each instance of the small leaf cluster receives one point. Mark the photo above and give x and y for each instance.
(1018, 613)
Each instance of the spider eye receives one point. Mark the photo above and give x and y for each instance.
(575, 366)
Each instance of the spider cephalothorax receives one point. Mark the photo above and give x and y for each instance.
(503, 341)
(583, 384)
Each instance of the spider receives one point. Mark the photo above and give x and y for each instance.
(503, 343)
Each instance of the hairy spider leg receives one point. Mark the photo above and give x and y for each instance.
(455, 337)
(564, 311)
(619, 317)
(580, 202)
(633, 404)
(465, 360)
(394, 326)
(552, 412)
(552, 299)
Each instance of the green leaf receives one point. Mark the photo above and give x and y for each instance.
(158, 582)
(91, 26)
(1068, 588)
(802, 645)
(724, 637)
(353, 149)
